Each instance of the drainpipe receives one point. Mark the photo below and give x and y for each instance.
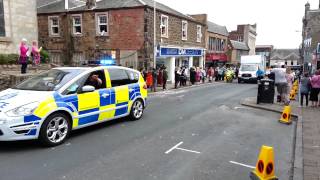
(66, 4)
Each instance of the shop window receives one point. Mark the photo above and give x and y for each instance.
(199, 33)
(164, 26)
(54, 25)
(2, 24)
(102, 24)
(77, 24)
(184, 30)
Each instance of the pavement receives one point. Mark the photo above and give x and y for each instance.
(195, 133)
(311, 143)
(307, 144)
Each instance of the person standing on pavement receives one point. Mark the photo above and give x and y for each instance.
(305, 87)
(164, 77)
(160, 76)
(177, 74)
(281, 84)
(35, 52)
(203, 75)
(154, 79)
(236, 72)
(210, 74)
(183, 80)
(290, 79)
(315, 84)
(216, 73)
(23, 59)
(259, 74)
(192, 75)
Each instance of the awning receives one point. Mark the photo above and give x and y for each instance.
(216, 57)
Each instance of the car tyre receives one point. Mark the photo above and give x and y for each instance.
(55, 130)
(136, 111)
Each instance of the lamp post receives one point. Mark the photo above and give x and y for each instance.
(154, 34)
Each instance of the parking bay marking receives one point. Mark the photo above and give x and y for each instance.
(240, 164)
(182, 149)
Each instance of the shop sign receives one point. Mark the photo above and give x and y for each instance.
(164, 51)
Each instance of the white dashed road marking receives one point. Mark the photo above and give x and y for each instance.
(182, 149)
(240, 164)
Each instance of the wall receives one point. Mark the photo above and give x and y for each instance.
(125, 33)
(210, 34)
(20, 22)
(174, 31)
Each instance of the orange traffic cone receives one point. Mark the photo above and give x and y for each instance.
(292, 95)
(265, 165)
(286, 115)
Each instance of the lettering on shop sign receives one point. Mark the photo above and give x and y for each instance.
(180, 52)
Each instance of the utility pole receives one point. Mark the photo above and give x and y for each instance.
(154, 34)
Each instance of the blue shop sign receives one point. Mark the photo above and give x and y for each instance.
(164, 51)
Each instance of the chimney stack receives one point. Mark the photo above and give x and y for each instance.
(66, 4)
(91, 4)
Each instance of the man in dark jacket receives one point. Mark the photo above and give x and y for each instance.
(154, 79)
(165, 77)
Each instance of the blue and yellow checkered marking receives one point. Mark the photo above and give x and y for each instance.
(105, 106)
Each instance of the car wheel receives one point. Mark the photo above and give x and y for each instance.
(136, 110)
(55, 130)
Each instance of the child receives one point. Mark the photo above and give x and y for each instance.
(305, 88)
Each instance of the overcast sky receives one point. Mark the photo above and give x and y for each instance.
(278, 20)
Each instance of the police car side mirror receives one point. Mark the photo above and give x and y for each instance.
(88, 89)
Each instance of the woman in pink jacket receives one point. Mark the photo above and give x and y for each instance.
(35, 53)
(315, 84)
(23, 56)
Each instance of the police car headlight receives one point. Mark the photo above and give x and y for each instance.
(24, 110)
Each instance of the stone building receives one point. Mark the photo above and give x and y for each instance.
(77, 32)
(288, 57)
(246, 33)
(216, 44)
(236, 50)
(18, 20)
(310, 39)
(265, 50)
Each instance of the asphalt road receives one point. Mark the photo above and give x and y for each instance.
(209, 121)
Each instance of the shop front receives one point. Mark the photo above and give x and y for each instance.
(172, 57)
(216, 59)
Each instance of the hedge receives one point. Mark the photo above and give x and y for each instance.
(14, 58)
(9, 59)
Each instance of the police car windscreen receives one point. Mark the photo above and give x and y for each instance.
(50, 80)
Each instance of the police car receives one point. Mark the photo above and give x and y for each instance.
(48, 106)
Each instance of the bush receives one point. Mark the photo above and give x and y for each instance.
(44, 56)
(12, 58)
(9, 58)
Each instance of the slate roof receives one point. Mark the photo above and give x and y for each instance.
(285, 54)
(215, 28)
(79, 5)
(58, 6)
(239, 45)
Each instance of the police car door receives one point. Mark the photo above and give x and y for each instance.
(89, 102)
(119, 81)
